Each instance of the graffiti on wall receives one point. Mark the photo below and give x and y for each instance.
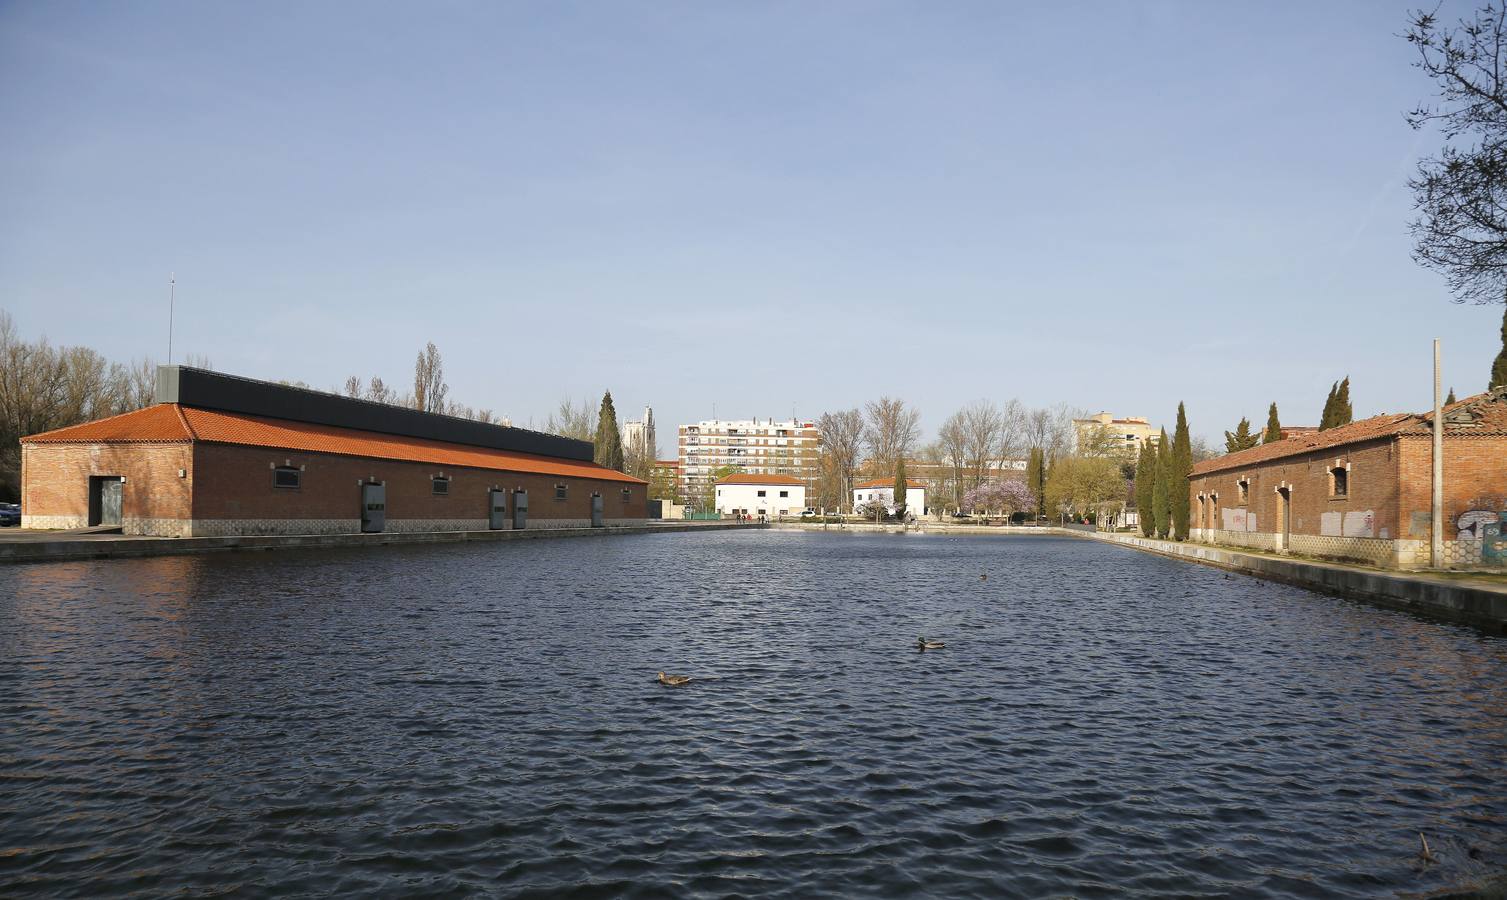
(1485, 527)
(1238, 519)
(1356, 523)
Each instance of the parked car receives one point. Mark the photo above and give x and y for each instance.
(10, 514)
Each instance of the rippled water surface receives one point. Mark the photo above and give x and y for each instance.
(485, 718)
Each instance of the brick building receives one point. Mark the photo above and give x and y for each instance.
(224, 455)
(1363, 491)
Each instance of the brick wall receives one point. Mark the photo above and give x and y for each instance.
(1392, 480)
(1475, 478)
(55, 484)
(228, 490)
(235, 483)
(1373, 489)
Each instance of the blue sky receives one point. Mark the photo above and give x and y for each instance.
(765, 207)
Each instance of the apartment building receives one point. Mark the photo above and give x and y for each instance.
(757, 446)
(1110, 434)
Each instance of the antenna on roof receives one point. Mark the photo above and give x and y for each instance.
(172, 296)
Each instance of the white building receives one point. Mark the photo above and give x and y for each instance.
(766, 496)
(884, 492)
(640, 433)
(757, 446)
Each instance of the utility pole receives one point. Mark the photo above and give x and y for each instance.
(1436, 532)
(172, 296)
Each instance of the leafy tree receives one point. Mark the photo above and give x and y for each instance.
(708, 493)
(1273, 426)
(609, 442)
(1461, 194)
(1036, 477)
(1182, 464)
(1343, 414)
(1241, 438)
(663, 485)
(900, 485)
(1326, 418)
(1161, 495)
(1080, 483)
(1499, 365)
(1145, 485)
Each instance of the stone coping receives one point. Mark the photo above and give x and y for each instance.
(73, 547)
(1476, 601)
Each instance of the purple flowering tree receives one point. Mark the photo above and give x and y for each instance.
(1005, 498)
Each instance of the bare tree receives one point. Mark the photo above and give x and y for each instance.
(429, 388)
(983, 439)
(1049, 429)
(951, 451)
(842, 442)
(1461, 195)
(572, 421)
(890, 431)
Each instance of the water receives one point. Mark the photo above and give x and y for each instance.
(485, 719)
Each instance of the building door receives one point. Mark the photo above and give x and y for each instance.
(1284, 517)
(373, 507)
(497, 509)
(597, 516)
(105, 499)
(520, 509)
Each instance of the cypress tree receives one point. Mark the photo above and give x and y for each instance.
(1273, 426)
(1036, 478)
(1182, 464)
(609, 443)
(1451, 398)
(1343, 414)
(1145, 484)
(1161, 495)
(1241, 438)
(1326, 418)
(1499, 365)
(900, 486)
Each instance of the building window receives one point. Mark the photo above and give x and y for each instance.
(761, 493)
(559, 492)
(784, 493)
(440, 486)
(286, 477)
(1244, 486)
(627, 495)
(1339, 482)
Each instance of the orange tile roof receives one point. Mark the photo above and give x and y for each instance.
(1481, 414)
(169, 422)
(1354, 433)
(889, 483)
(745, 478)
(154, 424)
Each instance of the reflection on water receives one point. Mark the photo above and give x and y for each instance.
(485, 718)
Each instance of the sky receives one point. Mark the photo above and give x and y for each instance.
(752, 209)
